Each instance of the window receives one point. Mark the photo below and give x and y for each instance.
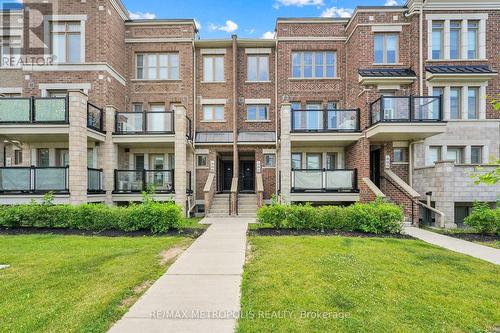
(257, 68)
(296, 161)
(157, 66)
(43, 157)
(213, 112)
(455, 154)
(400, 155)
(331, 106)
(201, 161)
(296, 105)
(455, 32)
(137, 107)
(139, 161)
(472, 39)
(157, 107)
(10, 51)
(455, 94)
(313, 161)
(66, 42)
(476, 155)
(386, 49)
(313, 65)
(57, 93)
(473, 103)
(331, 161)
(257, 112)
(269, 160)
(437, 39)
(90, 157)
(18, 157)
(434, 154)
(213, 68)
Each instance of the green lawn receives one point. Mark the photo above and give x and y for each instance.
(376, 285)
(75, 283)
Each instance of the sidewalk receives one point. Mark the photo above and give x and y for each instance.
(454, 244)
(203, 283)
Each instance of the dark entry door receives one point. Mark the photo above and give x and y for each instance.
(375, 167)
(227, 175)
(247, 175)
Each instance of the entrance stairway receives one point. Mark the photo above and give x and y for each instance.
(247, 205)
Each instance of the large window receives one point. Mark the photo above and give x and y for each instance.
(258, 68)
(213, 112)
(456, 38)
(472, 39)
(313, 161)
(455, 154)
(437, 39)
(473, 103)
(257, 112)
(313, 65)
(213, 68)
(455, 94)
(66, 42)
(10, 51)
(386, 49)
(158, 66)
(455, 33)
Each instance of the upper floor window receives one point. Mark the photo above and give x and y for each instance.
(213, 112)
(258, 68)
(437, 39)
(66, 43)
(314, 65)
(455, 33)
(472, 39)
(10, 51)
(157, 66)
(213, 68)
(257, 112)
(386, 49)
(473, 103)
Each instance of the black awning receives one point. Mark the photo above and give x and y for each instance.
(214, 137)
(387, 72)
(472, 69)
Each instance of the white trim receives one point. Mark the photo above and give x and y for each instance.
(457, 16)
(266, 101)
(212, 51)
(44, 87)
(123, 14)
(387, 28)
(61, 18)
(268, 151)
(213, 101)
(259, 50)
(159, 22)
(11, 90)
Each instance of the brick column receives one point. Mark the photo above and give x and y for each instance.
(109, 155)
(180, 155)
(78, 147)
(285, 152)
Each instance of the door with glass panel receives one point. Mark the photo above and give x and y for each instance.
(312, 178)
(158, 120)
(159, 177)
(314, 116)
(63, 158)
(388, 107)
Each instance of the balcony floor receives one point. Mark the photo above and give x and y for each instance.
(310, 139)
(409, 131)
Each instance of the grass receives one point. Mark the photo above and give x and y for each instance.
(467, 231)
(193, 222)
(493, 244)
(75, 283)
(365, 285)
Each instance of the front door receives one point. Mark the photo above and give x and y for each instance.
(227, 175)
(375, 167)
(247, 175)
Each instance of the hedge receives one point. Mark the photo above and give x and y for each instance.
(483, 219)
(375, 217)
(153, 216)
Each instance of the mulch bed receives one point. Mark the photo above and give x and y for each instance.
(293, 232)
(188, 232)
(474, 237)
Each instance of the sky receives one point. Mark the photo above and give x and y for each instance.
(247, 19)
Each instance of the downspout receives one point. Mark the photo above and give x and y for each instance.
(277, 113)
(421, 51)
(194, 126)
(235, 109)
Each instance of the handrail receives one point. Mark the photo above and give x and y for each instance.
(91, 121)
(260, 189)
(189, 183)
(410, 108)
(441, 220)
(401, 189)
(234, 192)
(378, 193)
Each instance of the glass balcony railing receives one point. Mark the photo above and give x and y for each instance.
(95, 117)
(325, 120)
(144, 122)
(34, 110)
(323, 180)
(406, 109)
(94, 180)
(34, 179)
(127, 181)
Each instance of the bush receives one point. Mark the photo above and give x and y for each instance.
(375, 217)
(483, 219)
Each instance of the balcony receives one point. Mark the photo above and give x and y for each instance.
(34, 110)
(34, 180)
(95, 118)
(136, 181)
(94, 181)
(405, 118)
(340, 127)
(140, 123)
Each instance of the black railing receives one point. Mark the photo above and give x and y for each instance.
(95, 118)
(34, 180)
(324, 180)
(34, 110)
(134, 181)
(94, 180)
(406, 109)
(189, 129)
(145, 122)
(332, 120)
(189, 183)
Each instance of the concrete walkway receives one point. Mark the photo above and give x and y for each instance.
(454, 244)
(200, 292)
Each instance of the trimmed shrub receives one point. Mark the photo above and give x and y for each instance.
(483, 219)
(375, 217)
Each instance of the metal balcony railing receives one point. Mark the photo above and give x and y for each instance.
(95, 117)
(406, 109)
(34, 180)
(323, 180)
(94, 180)
(144, 122)
(334, 120)
(130, 181)
(34, 110)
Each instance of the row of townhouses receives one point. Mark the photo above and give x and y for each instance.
(391, 102)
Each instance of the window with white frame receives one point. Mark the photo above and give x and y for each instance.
(137, 107)
(455, 154)
(434, 154)
(157, 66)
(18, 157)
(331, 161)
(257, 112)
(269, 160)
(213, 112)
(257, 68)
(213, 68)
(400, 155)
(437, 39)
(10, 51)
(455, 105)
(386, 48)
(462, 102)
(202, 161)
(472, 39)
(476, 154)
(296, 161)
(314, 65)
(66, 43)
(455, 37)
(473, 103)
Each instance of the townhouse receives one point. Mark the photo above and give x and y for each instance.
(392, 102)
